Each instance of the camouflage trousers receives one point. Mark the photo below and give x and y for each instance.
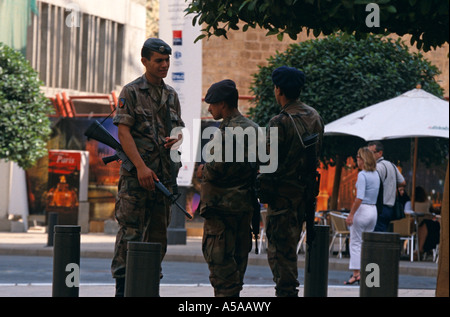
(283, 230)
(143, 216)
(226, 243)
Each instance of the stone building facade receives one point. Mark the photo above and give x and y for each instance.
(239, 56)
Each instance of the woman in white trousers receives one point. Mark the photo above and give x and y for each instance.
(363, 214)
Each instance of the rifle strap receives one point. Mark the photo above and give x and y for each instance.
(310, 215)
(173, 171)
(168, 127)
(296, 129)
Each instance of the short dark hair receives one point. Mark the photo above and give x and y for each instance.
(291, 93)
(378, 145)
(232, 100)
(146, 52)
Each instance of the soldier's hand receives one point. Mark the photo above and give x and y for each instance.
(199, 172)
(173, 143)
(146, 178)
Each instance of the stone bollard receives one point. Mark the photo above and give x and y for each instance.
(380, 256)
(66, 261)
(316, 264)
(143, 269)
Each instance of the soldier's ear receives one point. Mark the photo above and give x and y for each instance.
(144, 60)
(278, 91)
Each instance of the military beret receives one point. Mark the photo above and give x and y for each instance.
(158, 45)
(288, 77)
(221, 91)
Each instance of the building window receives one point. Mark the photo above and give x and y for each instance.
(84, 56)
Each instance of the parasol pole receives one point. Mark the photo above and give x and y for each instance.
(416, 141)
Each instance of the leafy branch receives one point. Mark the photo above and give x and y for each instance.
(425, 21)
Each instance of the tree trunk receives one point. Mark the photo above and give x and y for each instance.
(442, 276)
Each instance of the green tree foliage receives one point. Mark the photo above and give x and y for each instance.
(344, 75)
(426, 21)
(24, 125)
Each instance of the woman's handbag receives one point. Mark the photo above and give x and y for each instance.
(379, 203)
(397, 210)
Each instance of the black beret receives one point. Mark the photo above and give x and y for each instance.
(221, 91)
(288, 77)
(158, 45)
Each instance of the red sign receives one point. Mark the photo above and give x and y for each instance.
(64, 185)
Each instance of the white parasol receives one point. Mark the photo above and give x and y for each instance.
(413, 114)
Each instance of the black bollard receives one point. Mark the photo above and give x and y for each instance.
(380, 256)
(176, 232)
(52, 221)
(66, 261)
(316, 264)
(143, 269)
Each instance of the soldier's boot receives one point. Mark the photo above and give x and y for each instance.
(221, 294)
(120, 287)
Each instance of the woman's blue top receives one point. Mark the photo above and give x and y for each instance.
(367, 186)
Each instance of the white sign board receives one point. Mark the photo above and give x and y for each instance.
(185, 76)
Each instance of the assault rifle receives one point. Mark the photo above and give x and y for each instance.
(97, 132)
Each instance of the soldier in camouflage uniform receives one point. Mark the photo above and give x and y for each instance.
(286, 204)
(227, 195)
(148, 110)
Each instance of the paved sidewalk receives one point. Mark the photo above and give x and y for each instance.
(99, 245)
(185, 291)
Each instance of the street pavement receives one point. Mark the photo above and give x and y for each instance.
(99, 245)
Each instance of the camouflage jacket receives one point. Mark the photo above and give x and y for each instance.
(228, 184)
(143, 107)
(291, 155)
